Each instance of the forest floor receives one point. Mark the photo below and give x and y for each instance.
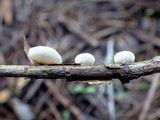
(72, 27)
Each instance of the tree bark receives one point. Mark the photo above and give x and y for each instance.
(124, 72)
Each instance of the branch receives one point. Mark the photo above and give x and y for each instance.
(125, 72)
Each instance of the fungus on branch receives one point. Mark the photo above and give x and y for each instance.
(42, 54)
(124, 57)
(85, 59)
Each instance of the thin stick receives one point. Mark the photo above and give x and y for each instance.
(150, 97)
(110, 87)
(72, 73)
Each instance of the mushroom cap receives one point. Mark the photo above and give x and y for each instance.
(85, 59)
(44, 55)
(124, 57)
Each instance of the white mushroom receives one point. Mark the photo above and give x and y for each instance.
(44, 55)
(85, 59)
(124, 57)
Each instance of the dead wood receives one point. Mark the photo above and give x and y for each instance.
(72, 73)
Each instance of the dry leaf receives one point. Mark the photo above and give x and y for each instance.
(5, 95)
(6, 11)
(21, 82)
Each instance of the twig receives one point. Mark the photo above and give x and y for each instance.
(110, 87)
(106, 32)
(54, 110)
(150, 97)
(143, 36)
(74, 72)
(32, 90)
(64, 101)
(75, 28)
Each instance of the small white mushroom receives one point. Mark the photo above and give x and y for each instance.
(42, 54)
(124, 57)
(85, 59)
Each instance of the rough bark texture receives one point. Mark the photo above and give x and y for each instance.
(123, 72)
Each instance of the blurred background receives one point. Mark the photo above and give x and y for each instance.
(100, 27)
